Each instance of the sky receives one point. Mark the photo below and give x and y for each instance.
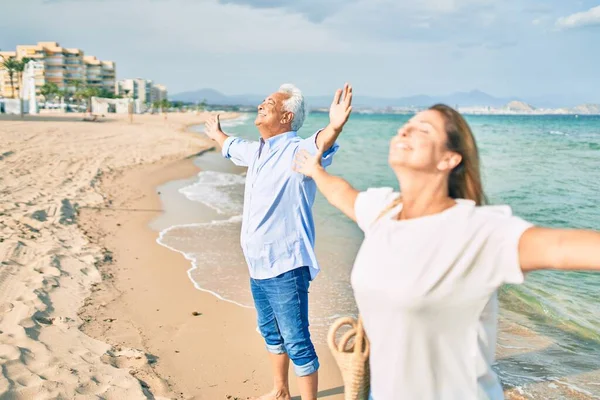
(534, 49)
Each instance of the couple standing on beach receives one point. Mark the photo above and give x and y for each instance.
(427, 273)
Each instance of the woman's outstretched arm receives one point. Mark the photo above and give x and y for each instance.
(336, 190)
(566, 249)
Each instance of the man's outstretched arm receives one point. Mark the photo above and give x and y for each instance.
(213, 130)
(239, 151)
(339, 112)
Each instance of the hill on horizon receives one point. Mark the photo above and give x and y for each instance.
(463, 99)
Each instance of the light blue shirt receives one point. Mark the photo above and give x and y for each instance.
(278, 231)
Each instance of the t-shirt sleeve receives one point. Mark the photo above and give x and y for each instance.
(371, 203)
(503, 245)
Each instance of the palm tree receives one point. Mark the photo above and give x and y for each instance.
(105, 93)
(88, 93)
(201, 106)
(80, 92)
(62, 95)
(164, 105)
(155, 106)
(49, 89)
(11, 66)
(20, 68)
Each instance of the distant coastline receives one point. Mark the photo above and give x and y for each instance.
(583, 110)
(473, 102)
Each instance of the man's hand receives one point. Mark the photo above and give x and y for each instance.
(340, 109)
(339, 112)
(212, 128)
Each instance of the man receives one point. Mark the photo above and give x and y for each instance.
(278, 233)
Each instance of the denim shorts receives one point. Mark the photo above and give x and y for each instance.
(282, 308)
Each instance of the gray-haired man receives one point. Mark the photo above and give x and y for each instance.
(278, 233)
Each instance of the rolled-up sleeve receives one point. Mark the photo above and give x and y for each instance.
(238, 150)
(310, 144)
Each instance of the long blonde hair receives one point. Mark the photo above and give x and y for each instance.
(464, 181)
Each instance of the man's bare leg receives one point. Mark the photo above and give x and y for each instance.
(308, 386)
(281, 386)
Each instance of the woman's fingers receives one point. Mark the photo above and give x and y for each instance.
(302, 161)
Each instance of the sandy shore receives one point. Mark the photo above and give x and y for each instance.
(90, 305)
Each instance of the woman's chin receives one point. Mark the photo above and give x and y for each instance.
(396, 160)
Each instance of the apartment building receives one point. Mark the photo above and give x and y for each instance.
(63, 66)
(100, 74)
(109, 75)
(159, 93)
(141, 89)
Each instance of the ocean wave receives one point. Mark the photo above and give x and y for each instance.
(193, 257)
(221, 191)
(241, 120)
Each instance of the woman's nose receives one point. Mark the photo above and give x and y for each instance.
(404, 131)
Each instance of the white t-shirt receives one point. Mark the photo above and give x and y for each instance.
(426, 290)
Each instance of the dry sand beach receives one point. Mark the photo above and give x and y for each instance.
(90, 305)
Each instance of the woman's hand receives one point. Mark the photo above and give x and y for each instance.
(307, 164)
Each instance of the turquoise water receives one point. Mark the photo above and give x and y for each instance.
(547, 168)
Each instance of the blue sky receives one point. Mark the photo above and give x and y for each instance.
(389, 48)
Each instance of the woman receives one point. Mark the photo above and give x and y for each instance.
(426, 276)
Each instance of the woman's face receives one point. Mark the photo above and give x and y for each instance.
(421, 144)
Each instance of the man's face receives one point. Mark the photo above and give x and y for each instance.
(271, 117)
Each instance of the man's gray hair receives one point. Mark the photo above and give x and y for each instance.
(295, 104)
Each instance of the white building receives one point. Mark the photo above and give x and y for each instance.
(159, 93)
(141, 89)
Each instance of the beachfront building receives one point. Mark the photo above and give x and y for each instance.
(159, 93)
(109, 75)
(64, 67)
(100, 74)
(93, 72)
(141, 89)
(138, 89)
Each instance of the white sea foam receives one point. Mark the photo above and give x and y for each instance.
(218, 190)
(241, 120)
(558, 133)
(191, 256)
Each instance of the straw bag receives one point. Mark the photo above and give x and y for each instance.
(354, 361)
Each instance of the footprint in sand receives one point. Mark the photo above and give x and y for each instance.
(5, 308)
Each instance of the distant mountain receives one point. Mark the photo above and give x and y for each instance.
(473, 98)
(519, 106)
(586, 109)
(212, 96)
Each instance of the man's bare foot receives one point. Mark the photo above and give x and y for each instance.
(281, 394)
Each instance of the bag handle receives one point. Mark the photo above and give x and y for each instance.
(361, 345)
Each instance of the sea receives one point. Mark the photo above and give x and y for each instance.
(547, 168)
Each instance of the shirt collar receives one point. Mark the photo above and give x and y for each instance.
(278, 139)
